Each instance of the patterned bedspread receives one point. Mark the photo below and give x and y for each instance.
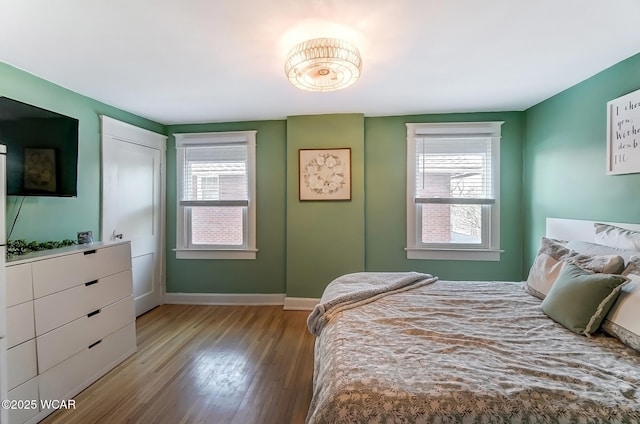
(468, 352)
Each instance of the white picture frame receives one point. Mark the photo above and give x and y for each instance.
(324, 174)
(623, 134)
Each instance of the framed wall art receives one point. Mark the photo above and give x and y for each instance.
(40, 170)
(324, 174)
(623, 134)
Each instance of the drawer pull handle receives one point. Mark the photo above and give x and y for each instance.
(89, 252)
(96, 312)
(91, 283)
(95, 344)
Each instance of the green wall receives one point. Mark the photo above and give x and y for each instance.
(47, 218)
(303, 245)
(565, 157)
(325, 239)
(386, 176)
(265, 274)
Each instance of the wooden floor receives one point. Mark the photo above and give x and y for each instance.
(206, 364)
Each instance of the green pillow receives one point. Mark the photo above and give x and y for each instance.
(580, 300)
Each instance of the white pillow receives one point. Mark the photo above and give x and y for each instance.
(621, 238)
(623, 319)
(600, 249)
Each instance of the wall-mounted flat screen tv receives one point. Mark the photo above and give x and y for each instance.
(42, 150)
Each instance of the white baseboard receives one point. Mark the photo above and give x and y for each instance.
(299, 303)
(224, 299)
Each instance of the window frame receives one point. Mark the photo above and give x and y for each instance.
(489, 248)
(184, 249)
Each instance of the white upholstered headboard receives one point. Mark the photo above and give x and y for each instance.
(578, 229)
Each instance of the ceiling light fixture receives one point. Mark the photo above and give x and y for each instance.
(323, 64)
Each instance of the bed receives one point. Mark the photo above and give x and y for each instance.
(410, 348)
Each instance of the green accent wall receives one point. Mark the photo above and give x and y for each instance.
(386, 180)
(49, 218)
(325, 239)
(565, 157)
(303, 245)
(265, 274)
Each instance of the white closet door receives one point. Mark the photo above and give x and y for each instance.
(133, 203)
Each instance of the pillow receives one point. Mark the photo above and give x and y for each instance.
(623, 320)
(617, 237)
(600, 249)
(552, 257)
(580, 300)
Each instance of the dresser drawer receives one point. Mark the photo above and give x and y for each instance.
(63, 272)
(64, 342)
(73, 375)
(27, 391)
(19, 287)
(20, 326)
(60, 308)
(22, 363)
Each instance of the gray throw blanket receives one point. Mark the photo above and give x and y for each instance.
(351, 290)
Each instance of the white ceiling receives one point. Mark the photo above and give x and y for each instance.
(188, 61)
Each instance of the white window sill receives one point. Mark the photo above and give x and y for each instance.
(215, 254)
(453, 254)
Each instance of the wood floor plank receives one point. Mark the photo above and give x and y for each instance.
(206, 364)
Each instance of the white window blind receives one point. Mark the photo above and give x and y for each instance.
(453, 171)
(225, 163)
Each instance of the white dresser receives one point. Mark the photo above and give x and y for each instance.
(70, 319)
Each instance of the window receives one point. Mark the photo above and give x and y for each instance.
(453, 198)
(216, 195)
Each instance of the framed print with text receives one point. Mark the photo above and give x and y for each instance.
(623, 134)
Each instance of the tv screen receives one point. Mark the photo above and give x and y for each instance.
(42, 150)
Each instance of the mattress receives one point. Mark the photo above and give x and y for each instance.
(467, 352)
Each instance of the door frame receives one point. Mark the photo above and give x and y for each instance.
(135, 135)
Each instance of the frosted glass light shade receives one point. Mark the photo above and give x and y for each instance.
(323, 64)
